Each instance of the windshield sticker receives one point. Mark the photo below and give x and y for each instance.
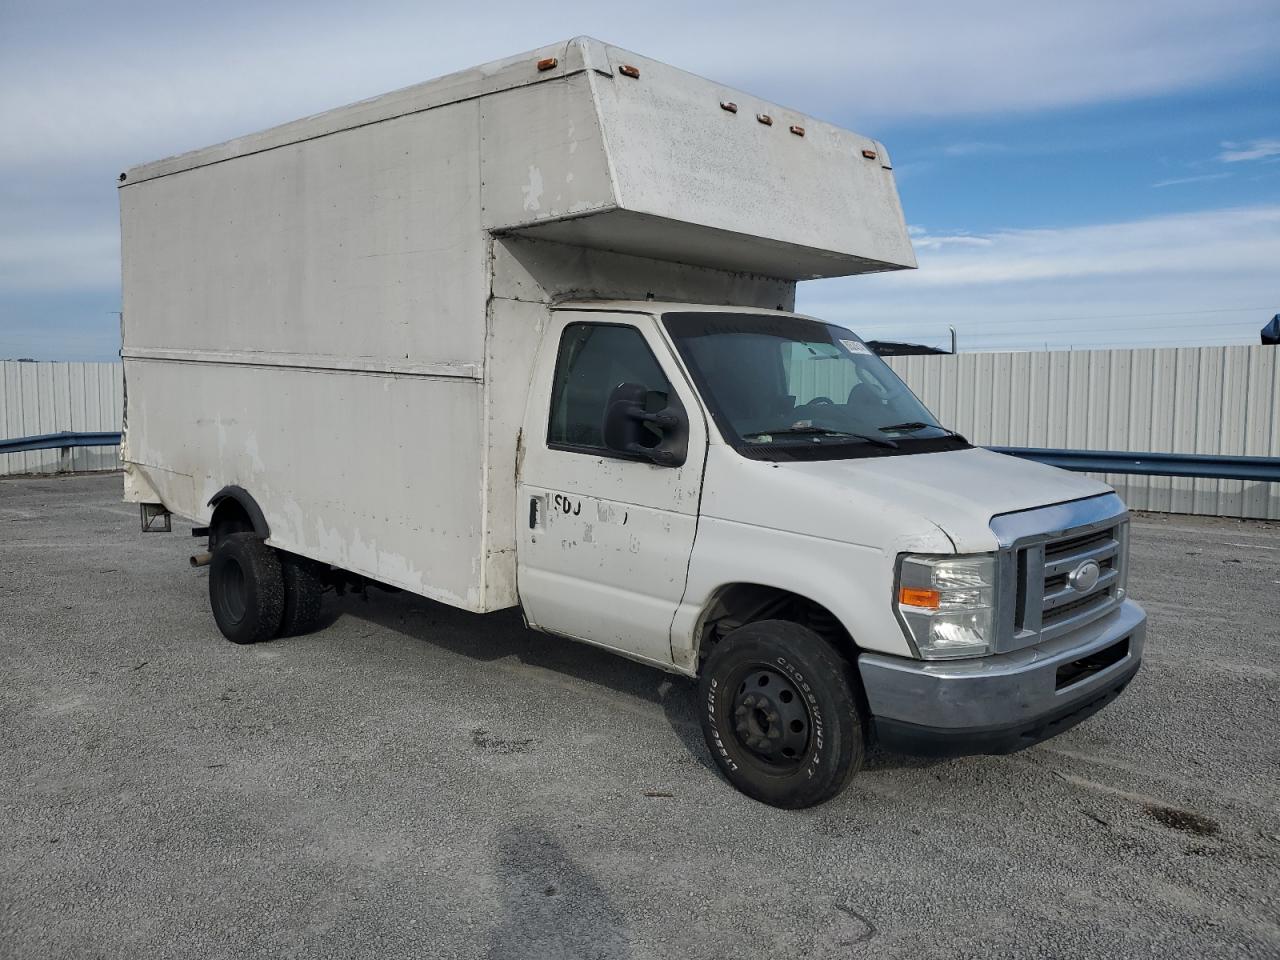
(853, 346)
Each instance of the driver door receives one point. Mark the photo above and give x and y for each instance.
(605, 536)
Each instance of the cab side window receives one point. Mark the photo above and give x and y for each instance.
(594, 358)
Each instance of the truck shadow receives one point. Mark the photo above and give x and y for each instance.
(551, 906)
(491, 637)
(497, 636)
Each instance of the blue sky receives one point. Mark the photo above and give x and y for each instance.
(1075, 175)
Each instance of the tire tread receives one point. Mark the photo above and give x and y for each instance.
(303, 595)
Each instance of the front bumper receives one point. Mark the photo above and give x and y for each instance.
(1005, 702)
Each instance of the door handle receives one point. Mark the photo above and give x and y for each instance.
(533, 513)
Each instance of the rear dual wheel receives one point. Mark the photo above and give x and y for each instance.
(780, 716)
(257, 592)
(303, 595)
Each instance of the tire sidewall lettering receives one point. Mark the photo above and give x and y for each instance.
(815, 714)
(716, 736)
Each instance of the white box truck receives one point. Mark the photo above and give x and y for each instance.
(524, 335)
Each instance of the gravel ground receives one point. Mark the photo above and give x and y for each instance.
(413, 781)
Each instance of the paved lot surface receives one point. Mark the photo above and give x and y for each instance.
(415, 781)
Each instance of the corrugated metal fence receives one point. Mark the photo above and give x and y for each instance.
(1216, 400)
(39, 398)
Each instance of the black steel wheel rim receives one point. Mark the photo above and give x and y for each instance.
(770, 719)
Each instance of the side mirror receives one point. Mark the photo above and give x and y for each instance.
(643, 423)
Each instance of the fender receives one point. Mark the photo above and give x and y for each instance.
(250, 506)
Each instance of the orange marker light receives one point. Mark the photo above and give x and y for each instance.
(627, 70)
(914, 597)
(729, 105)
(550, 63)
(798, 131)
(765, 119)
(869, 154)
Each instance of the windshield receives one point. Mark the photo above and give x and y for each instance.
(784, 387)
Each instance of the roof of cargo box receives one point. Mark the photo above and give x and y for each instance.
(595, 146)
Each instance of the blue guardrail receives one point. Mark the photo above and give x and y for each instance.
(57, 441)
(1204, 466)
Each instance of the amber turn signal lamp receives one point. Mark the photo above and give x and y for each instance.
(915, 597)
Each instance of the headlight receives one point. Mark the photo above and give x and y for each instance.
(947, 604)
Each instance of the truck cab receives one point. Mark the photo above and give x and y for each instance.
(688, 473)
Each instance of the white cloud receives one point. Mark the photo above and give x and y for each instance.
(922, 239)
(1178, 181)
(1209, 277)
(1225, 239)
(1254, 150)
(124, 89)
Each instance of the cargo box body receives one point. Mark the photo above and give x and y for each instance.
(338, 315)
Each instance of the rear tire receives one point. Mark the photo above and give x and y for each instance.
(246, 588)
(780, 715)
(303, 595)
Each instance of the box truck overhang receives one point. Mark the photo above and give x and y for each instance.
(591, 145)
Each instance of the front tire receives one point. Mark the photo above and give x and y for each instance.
(780, 716)
(246, 588)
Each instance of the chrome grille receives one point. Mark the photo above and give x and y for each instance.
(1043, 603)
(1053, 605)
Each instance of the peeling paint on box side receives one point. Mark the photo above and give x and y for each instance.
(367, 496)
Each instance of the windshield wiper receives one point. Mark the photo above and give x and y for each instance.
(919, 425)
(801, 431)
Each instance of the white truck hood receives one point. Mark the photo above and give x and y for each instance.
(959, 491)
(893, 503)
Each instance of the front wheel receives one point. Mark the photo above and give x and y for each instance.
(779, 714)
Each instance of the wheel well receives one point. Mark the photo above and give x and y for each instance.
(235, 511)
(741, 603)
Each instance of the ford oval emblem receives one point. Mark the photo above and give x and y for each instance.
(1085, 577)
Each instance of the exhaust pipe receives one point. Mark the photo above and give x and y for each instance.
(201, 559)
